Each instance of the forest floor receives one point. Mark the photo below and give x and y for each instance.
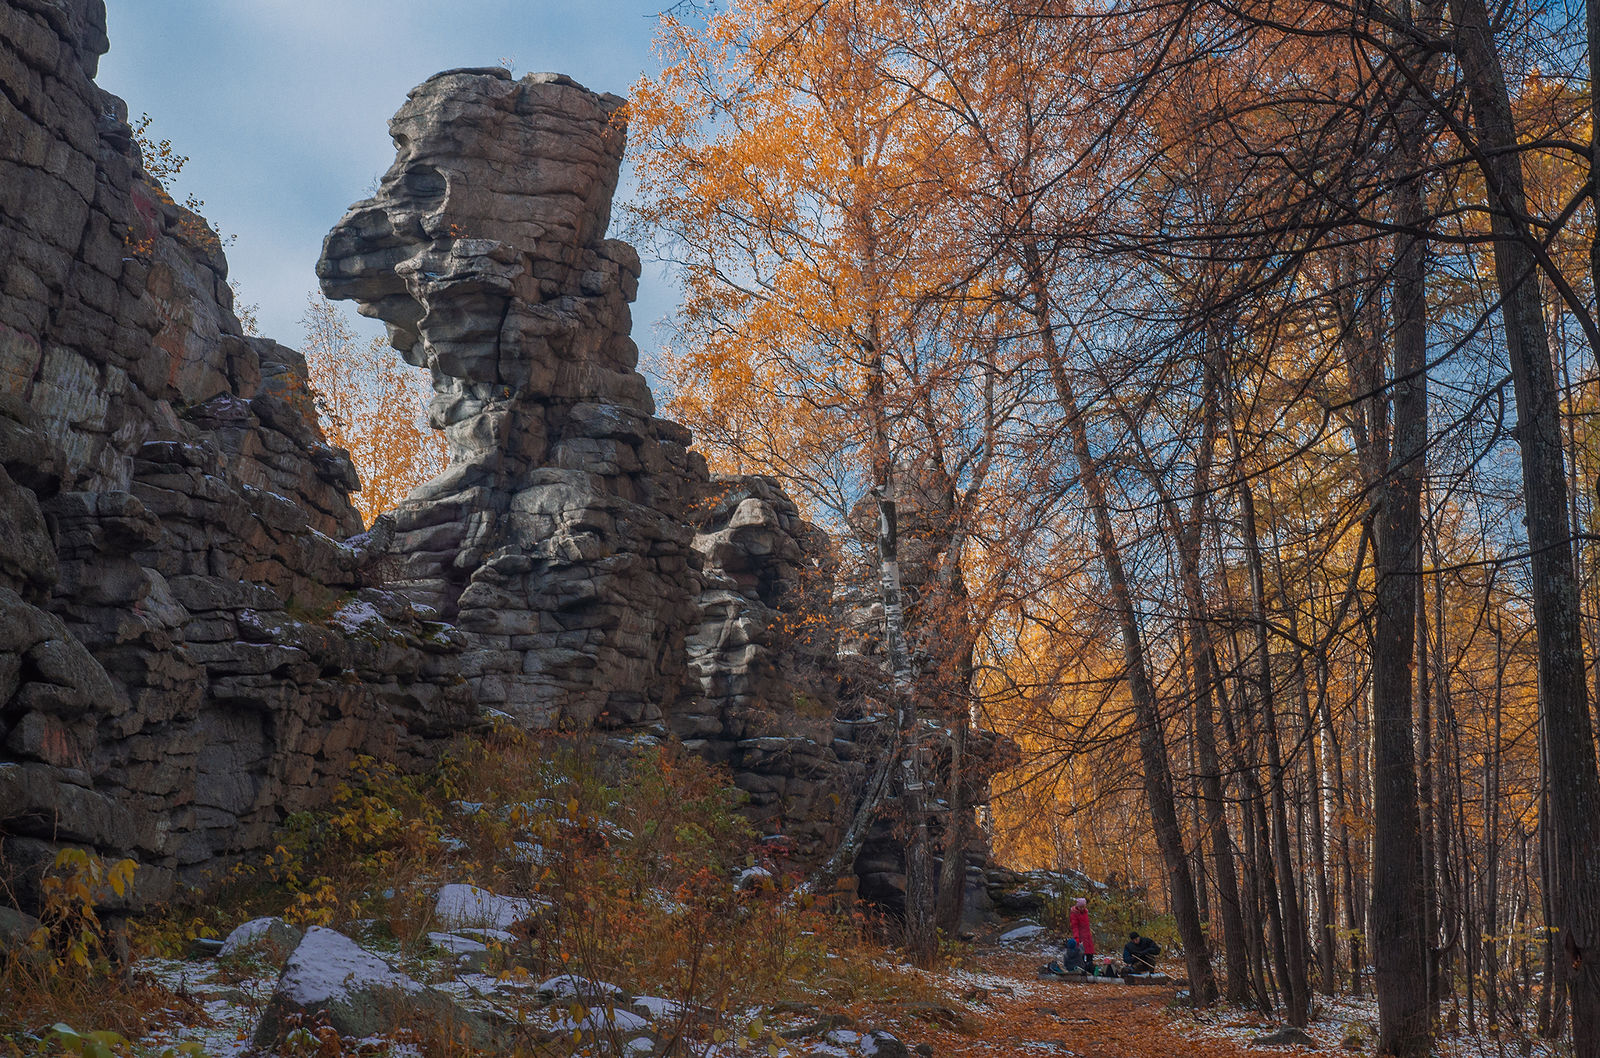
(500, 894)
(1012, 1010)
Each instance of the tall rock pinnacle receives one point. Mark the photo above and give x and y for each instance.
(556, 538)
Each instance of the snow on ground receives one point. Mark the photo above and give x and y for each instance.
(1338, 1019)
(965, 981)
(460, 906)
(571, 986)
(657, 1009)
(229, 1010)
(1021, 933)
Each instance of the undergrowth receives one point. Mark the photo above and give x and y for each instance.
(70, 969)
(633, 860)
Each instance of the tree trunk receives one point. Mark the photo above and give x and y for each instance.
(1574, 781)
(1288, 924)
(1212, 805)
(953, 867)
(1152, 747)
(1399, 945)
(921, 938)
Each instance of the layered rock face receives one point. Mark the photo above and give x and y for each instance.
(765, 655)
(191, 644)
(597, 572)
(557, 540)
(197, 637)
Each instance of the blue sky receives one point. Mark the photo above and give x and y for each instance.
(283, 105)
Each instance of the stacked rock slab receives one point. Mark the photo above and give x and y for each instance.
(556, 540)
(190, 645)
(765, 659)
(197, 637)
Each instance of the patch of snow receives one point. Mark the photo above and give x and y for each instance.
(752, 878)
(1021, 933)
(656, 1008)
(530, 852)
(659, 898)
(602, 1018)
(522, 811)
(246, 933)
(571, 986)
(355, 616)
(466, 905)
(457, 945)
(327, 964)
(486, 935)
(467, 986)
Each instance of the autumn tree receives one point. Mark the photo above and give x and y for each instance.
(372, 405)
(781, 163)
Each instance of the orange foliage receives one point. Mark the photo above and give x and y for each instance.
(372, 405)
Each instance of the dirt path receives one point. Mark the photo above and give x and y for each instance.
(1014, 1012)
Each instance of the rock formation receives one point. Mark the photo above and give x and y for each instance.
(196, 634)
(190, 645)
(557, 539)
(568, 537)
(765, 655)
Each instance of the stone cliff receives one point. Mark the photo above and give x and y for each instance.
(197, 635)
(556, 540)
(597, 573)
(190, 641)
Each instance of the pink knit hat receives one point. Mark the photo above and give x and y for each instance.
(1083, 901)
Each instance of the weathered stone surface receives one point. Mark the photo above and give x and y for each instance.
(270, 938)
(556, 540)
(764, 654)
(16, 930)
(178, 533)
(197, 635)
(330, 979)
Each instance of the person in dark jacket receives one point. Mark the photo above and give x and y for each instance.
(1073, 960)
(1140, 954)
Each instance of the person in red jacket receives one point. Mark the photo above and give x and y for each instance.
(1078, 924)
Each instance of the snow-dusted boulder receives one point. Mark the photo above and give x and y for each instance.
(583, 989)
(470, 955)
(602, 1020)
(271, 937)
(1021, 933)
(467, 906)
(881, 1044)
(330, 978)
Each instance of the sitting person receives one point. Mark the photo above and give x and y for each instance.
(1073, 960)
(1139, 954)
